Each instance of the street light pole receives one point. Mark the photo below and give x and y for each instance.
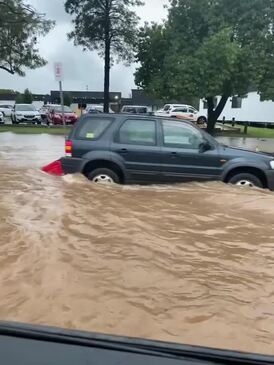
(62, 103)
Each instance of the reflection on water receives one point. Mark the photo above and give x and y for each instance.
(253, 144)
(190, 263)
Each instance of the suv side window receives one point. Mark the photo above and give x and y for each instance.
(138, 132)
(93, 127)
(181, 135)
(192, 111)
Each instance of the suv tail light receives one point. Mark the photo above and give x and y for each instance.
(68, 148)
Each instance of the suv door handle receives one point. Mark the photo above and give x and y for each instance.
(174, 154)
(123, 150)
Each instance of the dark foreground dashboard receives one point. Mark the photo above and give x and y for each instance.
(35, 345)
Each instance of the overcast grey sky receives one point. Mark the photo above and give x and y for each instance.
(81, 69)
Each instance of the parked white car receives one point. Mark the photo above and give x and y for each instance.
(6, 109)
(96, 109)
(182, 111)
(25, 113)
(136, 109)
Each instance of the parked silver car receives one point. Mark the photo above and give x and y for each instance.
(25, 113)
(6, 109)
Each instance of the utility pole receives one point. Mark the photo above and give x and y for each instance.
(59, 76)
(62, 103)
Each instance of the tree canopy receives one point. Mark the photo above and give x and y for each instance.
(209, 48)
(67, 99)
(107, 26)
(25, 98)
(20, 26)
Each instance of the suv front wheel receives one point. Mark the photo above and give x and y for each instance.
(246, 179)
(104, 176)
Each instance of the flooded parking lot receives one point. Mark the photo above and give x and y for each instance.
(253, 144)
(189, 263)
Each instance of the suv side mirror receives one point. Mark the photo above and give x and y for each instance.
(204, 146)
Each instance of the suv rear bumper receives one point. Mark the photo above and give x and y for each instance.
(72, 165)
(270, 179)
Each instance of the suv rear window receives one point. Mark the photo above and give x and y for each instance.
(93, 127)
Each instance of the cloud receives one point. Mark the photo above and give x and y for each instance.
(81, 69)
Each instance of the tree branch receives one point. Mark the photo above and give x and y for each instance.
(9, 70)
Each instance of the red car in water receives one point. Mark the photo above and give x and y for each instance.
(55, 115)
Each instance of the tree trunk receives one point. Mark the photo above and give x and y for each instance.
(107, 78)
(213, 114)
(210, 115)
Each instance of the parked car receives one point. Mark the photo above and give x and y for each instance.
(1, 118)
(136, 149)
(25, 113)
(44, 111)
(55, 115)
(95, 109)
(182, 111)
(6, 109)
(135, 109)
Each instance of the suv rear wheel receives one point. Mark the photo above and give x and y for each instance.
(104, 176)
(246, 179)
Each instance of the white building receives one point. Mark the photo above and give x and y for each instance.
(246, 109)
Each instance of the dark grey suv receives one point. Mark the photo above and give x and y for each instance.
(134, 149)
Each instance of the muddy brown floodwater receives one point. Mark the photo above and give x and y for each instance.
(188, 263)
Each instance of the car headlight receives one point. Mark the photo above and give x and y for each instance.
(272, 164)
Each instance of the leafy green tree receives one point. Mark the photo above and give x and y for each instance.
(27, 97)
(19, 98)
(7, 91)
(20, 25)
(67, 99)
(208, 48)
(107, 26)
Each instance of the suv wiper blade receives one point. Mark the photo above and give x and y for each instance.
(131, 345)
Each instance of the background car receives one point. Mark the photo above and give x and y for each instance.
(182, 111)
(25, 113)
(44, 112)
(1, 118)
(136, 109)
(6, 109)
(95, 109)
(54, 115)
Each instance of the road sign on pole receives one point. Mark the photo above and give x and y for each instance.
(59, 76)
(58, 71)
